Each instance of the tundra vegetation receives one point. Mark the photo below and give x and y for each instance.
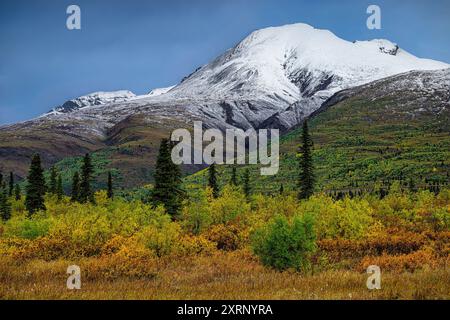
(220, 241)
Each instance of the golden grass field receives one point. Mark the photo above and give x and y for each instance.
(232, 275)
(130, 250)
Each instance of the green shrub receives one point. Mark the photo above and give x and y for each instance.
(196, 215)
(26, 228)
(162, 240)
(346, 219)
(283, 245)
(231, 205)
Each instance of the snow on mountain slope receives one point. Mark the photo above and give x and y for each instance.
(93, 99)
(424, 94)
(159, 91)
(273, 78)
(294, 69)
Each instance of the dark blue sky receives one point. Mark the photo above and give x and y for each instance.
(140, 45)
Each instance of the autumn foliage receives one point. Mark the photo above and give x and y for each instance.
(113, 238)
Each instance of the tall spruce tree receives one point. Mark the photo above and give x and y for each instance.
(11, 184)
(246, 183)
(59, 188)
(167, 189)
(86, 193)
(52, 185)
(75, 195)
(281, 189)
(306, 176)
(35, 189)
(5, 205)
(17, 192)
(233, 180)
(177, 182)
(110, 192)
(212, 180)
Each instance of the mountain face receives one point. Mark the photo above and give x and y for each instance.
(274, 78)
(93, 99)
(392, 129)
(159, 91)
(277, 76)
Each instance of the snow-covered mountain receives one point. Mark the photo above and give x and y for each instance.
(274, 78)
(277, 76)
(159, 91)
(102, 98)
(93, 99)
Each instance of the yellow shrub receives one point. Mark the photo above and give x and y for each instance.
(162, 241)
(230, 205)
(347, 218)
(227, 237)
(42, 248)
(193, 245)
(265, 208)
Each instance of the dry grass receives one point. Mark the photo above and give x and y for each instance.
(235, 275)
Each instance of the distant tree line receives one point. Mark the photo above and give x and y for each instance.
(167, 190)
(36, 187)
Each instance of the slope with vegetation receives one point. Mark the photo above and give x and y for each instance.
(395, 129)
(275, 77)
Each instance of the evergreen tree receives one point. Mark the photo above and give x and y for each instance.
(5, 205)
(167, 190)
(212, 180)
(75, 187)
(35, 189)
(233, 180)
(246, 182)
(1, 179)
(177, 182)
(52, 186)
(17, 192)
(110, 186)
(306, 177)
(86, 193)
(11, 184)
(281, 189)
(411, 185)
(59, 188)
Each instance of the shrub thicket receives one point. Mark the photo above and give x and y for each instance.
(283, 245)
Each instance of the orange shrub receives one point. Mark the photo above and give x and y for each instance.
(227, 237)
(400, 263)
(339, 249)
(119, 257)
(42, 248)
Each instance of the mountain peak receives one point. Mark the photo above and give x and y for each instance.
(93, 99)
(277, 75)
(296, 61)
(382, 45)
(159, 91)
